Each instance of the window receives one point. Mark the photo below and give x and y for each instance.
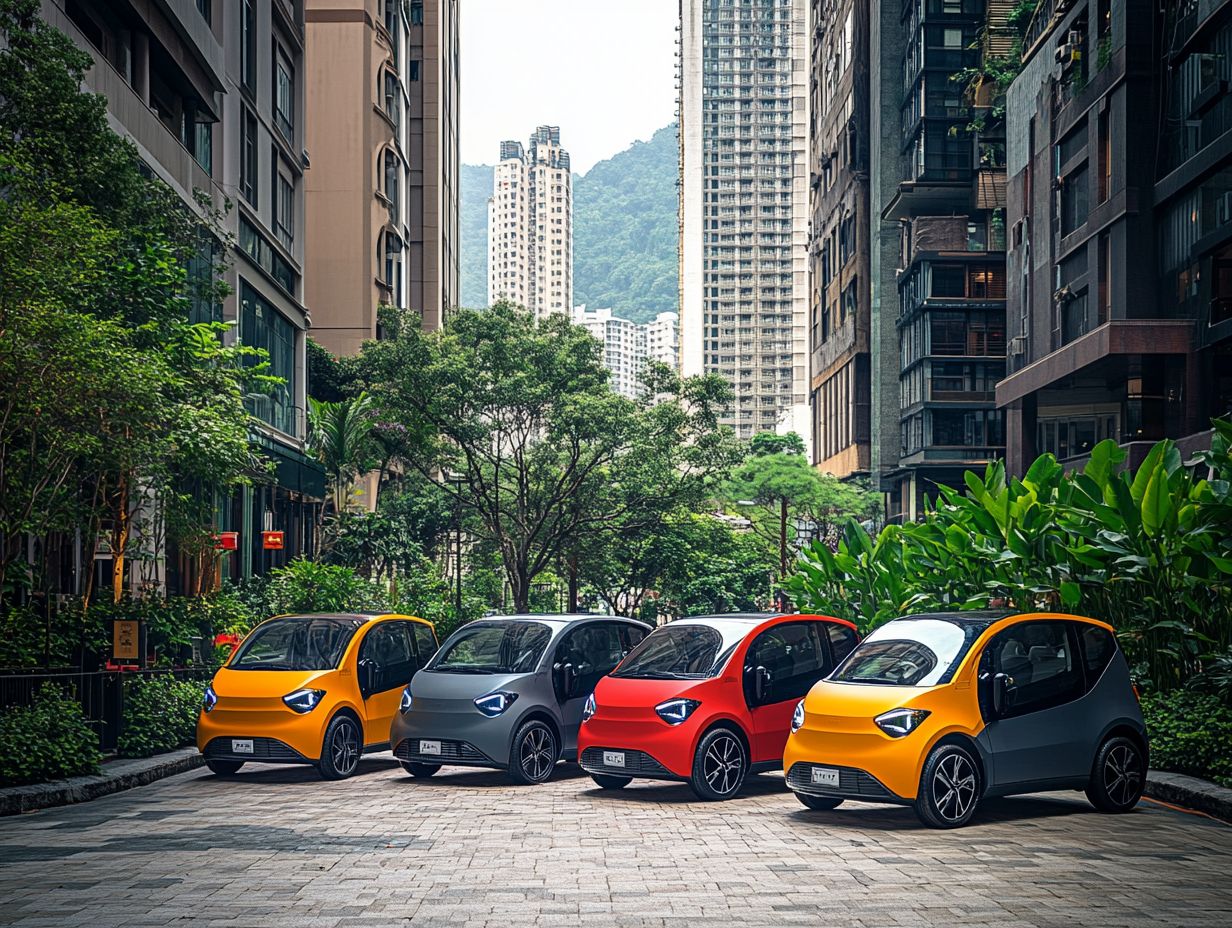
(1039, 658)
(914, 652)
(263, 326)
(204, 7)
(425, 642)
(842, 641)
(948, 281)
(284, 96)
(388, 649)
(393, 266)
(794, 657)
(1074, 201)
(392, 172)
(1105, 157)
(501, 647)
(1098, 646)
(284, 212)
(594, 651)
(413, 70)
(248, 45)
(416, 12)
(296, 643)
(248, 157)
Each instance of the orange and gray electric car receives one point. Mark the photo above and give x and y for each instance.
(312, 689)
(938, 711)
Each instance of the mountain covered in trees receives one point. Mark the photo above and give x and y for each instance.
(624, 230)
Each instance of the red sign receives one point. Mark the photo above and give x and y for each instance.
(272, 541)
(227, 541)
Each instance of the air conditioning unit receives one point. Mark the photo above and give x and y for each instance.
(1018, 345)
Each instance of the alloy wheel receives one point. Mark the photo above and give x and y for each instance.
(344, 751)
(954, 787)
(1122, 774)
(723, 764)
(537, 753)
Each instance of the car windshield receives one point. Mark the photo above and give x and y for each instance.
(296, 643)
(682, 651)
(909, 652)
(507, 647)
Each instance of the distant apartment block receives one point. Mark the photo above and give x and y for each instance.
(382, 195)
(663, 339)
(743, 92)
(530, 225)
(627, 346)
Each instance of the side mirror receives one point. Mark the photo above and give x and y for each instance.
(761, 684)
(1001, 684)
(367, 676)
(569, 680)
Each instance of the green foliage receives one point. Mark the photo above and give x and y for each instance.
(339, 433)
(711, 567)
(1148, 552)
(330, 377)
(310, 586)
(49, 740)
(1190, 733)
(160, 714)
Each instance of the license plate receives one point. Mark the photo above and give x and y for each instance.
(429, 747)
(825, 776)
(241, 745)
(613, 758)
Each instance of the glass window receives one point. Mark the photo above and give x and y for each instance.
(284, 96)
(284, 214)
(248, 157)
(1098, 646)
(910, 652)
(792, 655)
(263, 326)
(296, 643)
(425, 642)
(594, 651)
(683, 650)
(506, 647)
(843, 640)
(1074, 201)
(248, 45)
(1039, 659)
(388, 647)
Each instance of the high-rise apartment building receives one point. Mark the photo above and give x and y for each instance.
(743, 75)
(627, 345)
(663, 339)
(936, 258)
(212, 95)
(530, 225)
(1120, 218)
(839, 249)
(382, 195)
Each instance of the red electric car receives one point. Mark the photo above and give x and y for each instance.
(707, 700)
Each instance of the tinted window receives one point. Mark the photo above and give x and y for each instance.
(909, 652)
(843, 640)
(792, 654)
(1040, 660)
(425, 642)
(296, 644)
(388, 646)
(632, 636)
(676, 651)
(1098, 646)
(507, 647)
(594, 651)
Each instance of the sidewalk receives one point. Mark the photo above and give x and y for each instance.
(115, 776)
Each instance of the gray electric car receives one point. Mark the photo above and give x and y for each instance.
(508, 693)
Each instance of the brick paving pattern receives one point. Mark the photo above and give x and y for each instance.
(279, 847)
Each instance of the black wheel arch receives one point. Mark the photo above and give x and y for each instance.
(972, 747)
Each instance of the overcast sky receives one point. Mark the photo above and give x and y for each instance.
(602, 70)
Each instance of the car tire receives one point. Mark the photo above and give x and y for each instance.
(533, 754)
(1118, 776)
(720, 765)
(608, 781)
(224, 768)
(949, 787)
(341, 747)
(421, 771)
(819, 803)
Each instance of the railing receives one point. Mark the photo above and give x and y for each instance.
(99, 693)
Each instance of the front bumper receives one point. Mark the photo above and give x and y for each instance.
(667, 748)
(455, 753)
(264, 751)
(853, 784)
(300, 735)
(468, 737)
(638, 764)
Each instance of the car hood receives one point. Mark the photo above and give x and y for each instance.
(632, 693)
(431, 684)
(836, 705)
(263, 684)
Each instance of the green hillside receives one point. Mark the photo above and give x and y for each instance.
(624, 231)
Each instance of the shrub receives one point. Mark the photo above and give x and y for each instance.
(49, 740)
(310, 586)
(160, 714)
(1190, 733)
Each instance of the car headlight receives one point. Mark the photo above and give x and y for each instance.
(675, 711)
(209, 700)
(899, 722)
(304, 701)
(494, 704)
(797, 717)
(407, 700)
(589, 709)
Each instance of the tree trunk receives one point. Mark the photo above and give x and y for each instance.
(573, 582)
(119, 541)
(782, 537)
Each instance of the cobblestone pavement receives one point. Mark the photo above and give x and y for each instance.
(278, 846)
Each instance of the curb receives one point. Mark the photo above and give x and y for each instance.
(1190, 792)
(115, 776)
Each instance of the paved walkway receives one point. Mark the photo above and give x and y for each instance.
(279, 847)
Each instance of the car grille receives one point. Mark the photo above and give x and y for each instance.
(458, 752)
(262, 749)
(851, 782)
(637, 763)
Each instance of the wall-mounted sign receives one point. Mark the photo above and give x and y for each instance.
(272, 541)
(227, 541)
(126, 640)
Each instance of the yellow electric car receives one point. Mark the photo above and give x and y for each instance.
(312, 689)
(940, 710)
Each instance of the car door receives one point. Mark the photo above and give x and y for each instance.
(1039, 736)
(425, 642)
(795, 657)
(594, 650)
(389, 651)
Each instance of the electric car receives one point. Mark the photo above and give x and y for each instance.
(508, 693)
(708, 700)
(937, 711)
(311, 689)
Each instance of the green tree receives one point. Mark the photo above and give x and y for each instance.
(340, 435)
(713, 568)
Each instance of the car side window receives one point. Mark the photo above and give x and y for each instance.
(1098, 646)
(594, 650)
(1041, 660)
(388, 646)
(632, 636)
(425, 642)
(842, 640)
(793, 656)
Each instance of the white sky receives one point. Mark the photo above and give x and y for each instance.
(602, 70)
